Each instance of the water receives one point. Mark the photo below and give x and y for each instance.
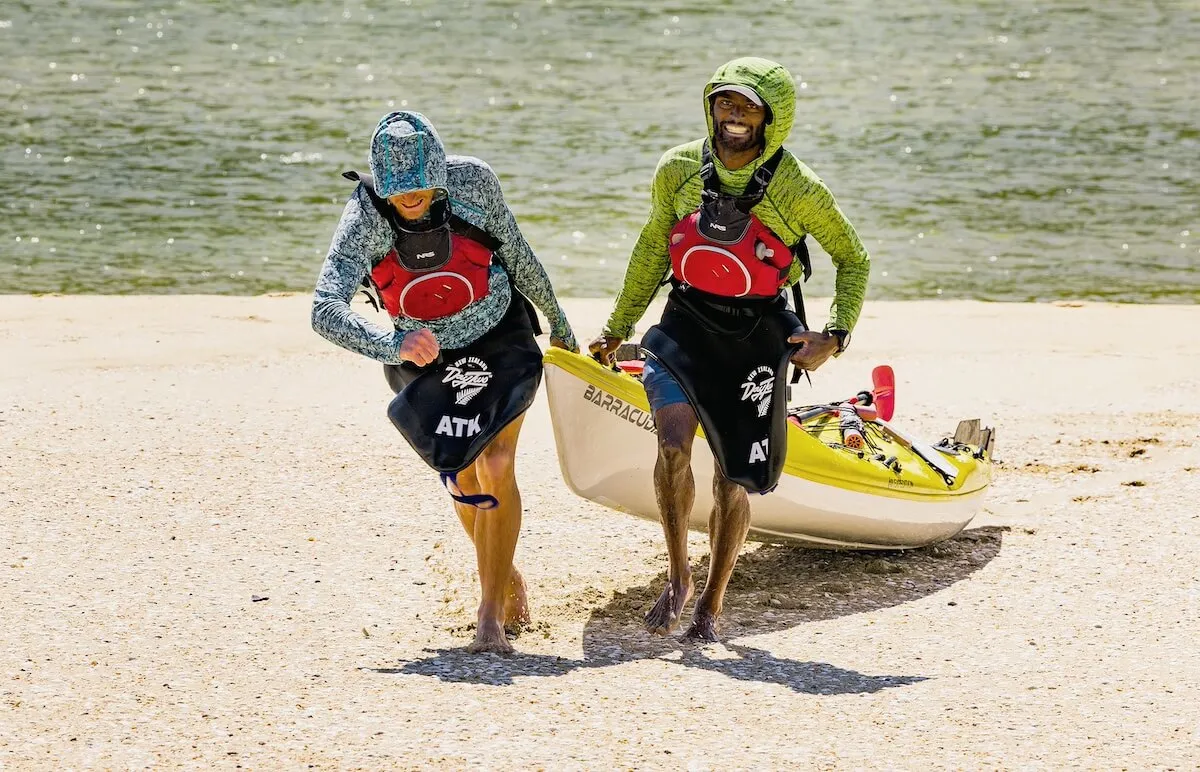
(1000, 150)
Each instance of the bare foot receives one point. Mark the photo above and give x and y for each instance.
(703, 627)
(664, 616)
(516, 607)
(489, 636)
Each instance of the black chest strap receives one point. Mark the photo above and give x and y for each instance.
(456, 223)
(756, 188)
(755, 191)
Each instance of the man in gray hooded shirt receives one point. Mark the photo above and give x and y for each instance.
(413, 187)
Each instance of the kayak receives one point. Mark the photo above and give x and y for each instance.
(851, 479)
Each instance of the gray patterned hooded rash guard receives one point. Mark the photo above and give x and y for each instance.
(406, 155)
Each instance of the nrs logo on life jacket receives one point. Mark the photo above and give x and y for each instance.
(432, 271)
(724, 249)
(425, 295)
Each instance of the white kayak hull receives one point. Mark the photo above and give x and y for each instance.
(607, 449)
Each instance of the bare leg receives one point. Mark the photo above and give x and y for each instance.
(516, 607)
(675, 489)
(494, 533)
(727, 528)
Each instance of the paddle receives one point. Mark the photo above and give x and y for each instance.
(884, 391)
(882, 396)
(878, 406)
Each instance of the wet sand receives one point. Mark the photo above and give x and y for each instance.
(215, 551)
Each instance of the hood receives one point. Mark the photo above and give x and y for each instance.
(406, 154)
(774, 84)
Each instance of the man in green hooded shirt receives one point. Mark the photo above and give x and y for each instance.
(749, 104)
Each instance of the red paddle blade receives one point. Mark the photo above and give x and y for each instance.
(632, 366)
(884, 391)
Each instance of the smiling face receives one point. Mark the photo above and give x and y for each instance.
(412, 205)
(737, 121)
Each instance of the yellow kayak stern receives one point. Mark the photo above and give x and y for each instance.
(887, 495)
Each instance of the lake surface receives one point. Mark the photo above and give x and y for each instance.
(995, 150)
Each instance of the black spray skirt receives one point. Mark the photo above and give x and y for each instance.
(450, 410)
(730, 357)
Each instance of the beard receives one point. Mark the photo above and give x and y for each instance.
(738, 144)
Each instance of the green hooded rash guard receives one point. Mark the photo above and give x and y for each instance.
(796, 203)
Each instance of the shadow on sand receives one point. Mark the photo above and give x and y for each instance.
(773, 588)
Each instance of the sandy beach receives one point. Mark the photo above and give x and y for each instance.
(215, 552)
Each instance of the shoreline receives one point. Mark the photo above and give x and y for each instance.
(1067, 300)
(215, 550)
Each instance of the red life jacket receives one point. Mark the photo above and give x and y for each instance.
(431, 272)
(437, 293)
(724, 249)
(730, 270)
